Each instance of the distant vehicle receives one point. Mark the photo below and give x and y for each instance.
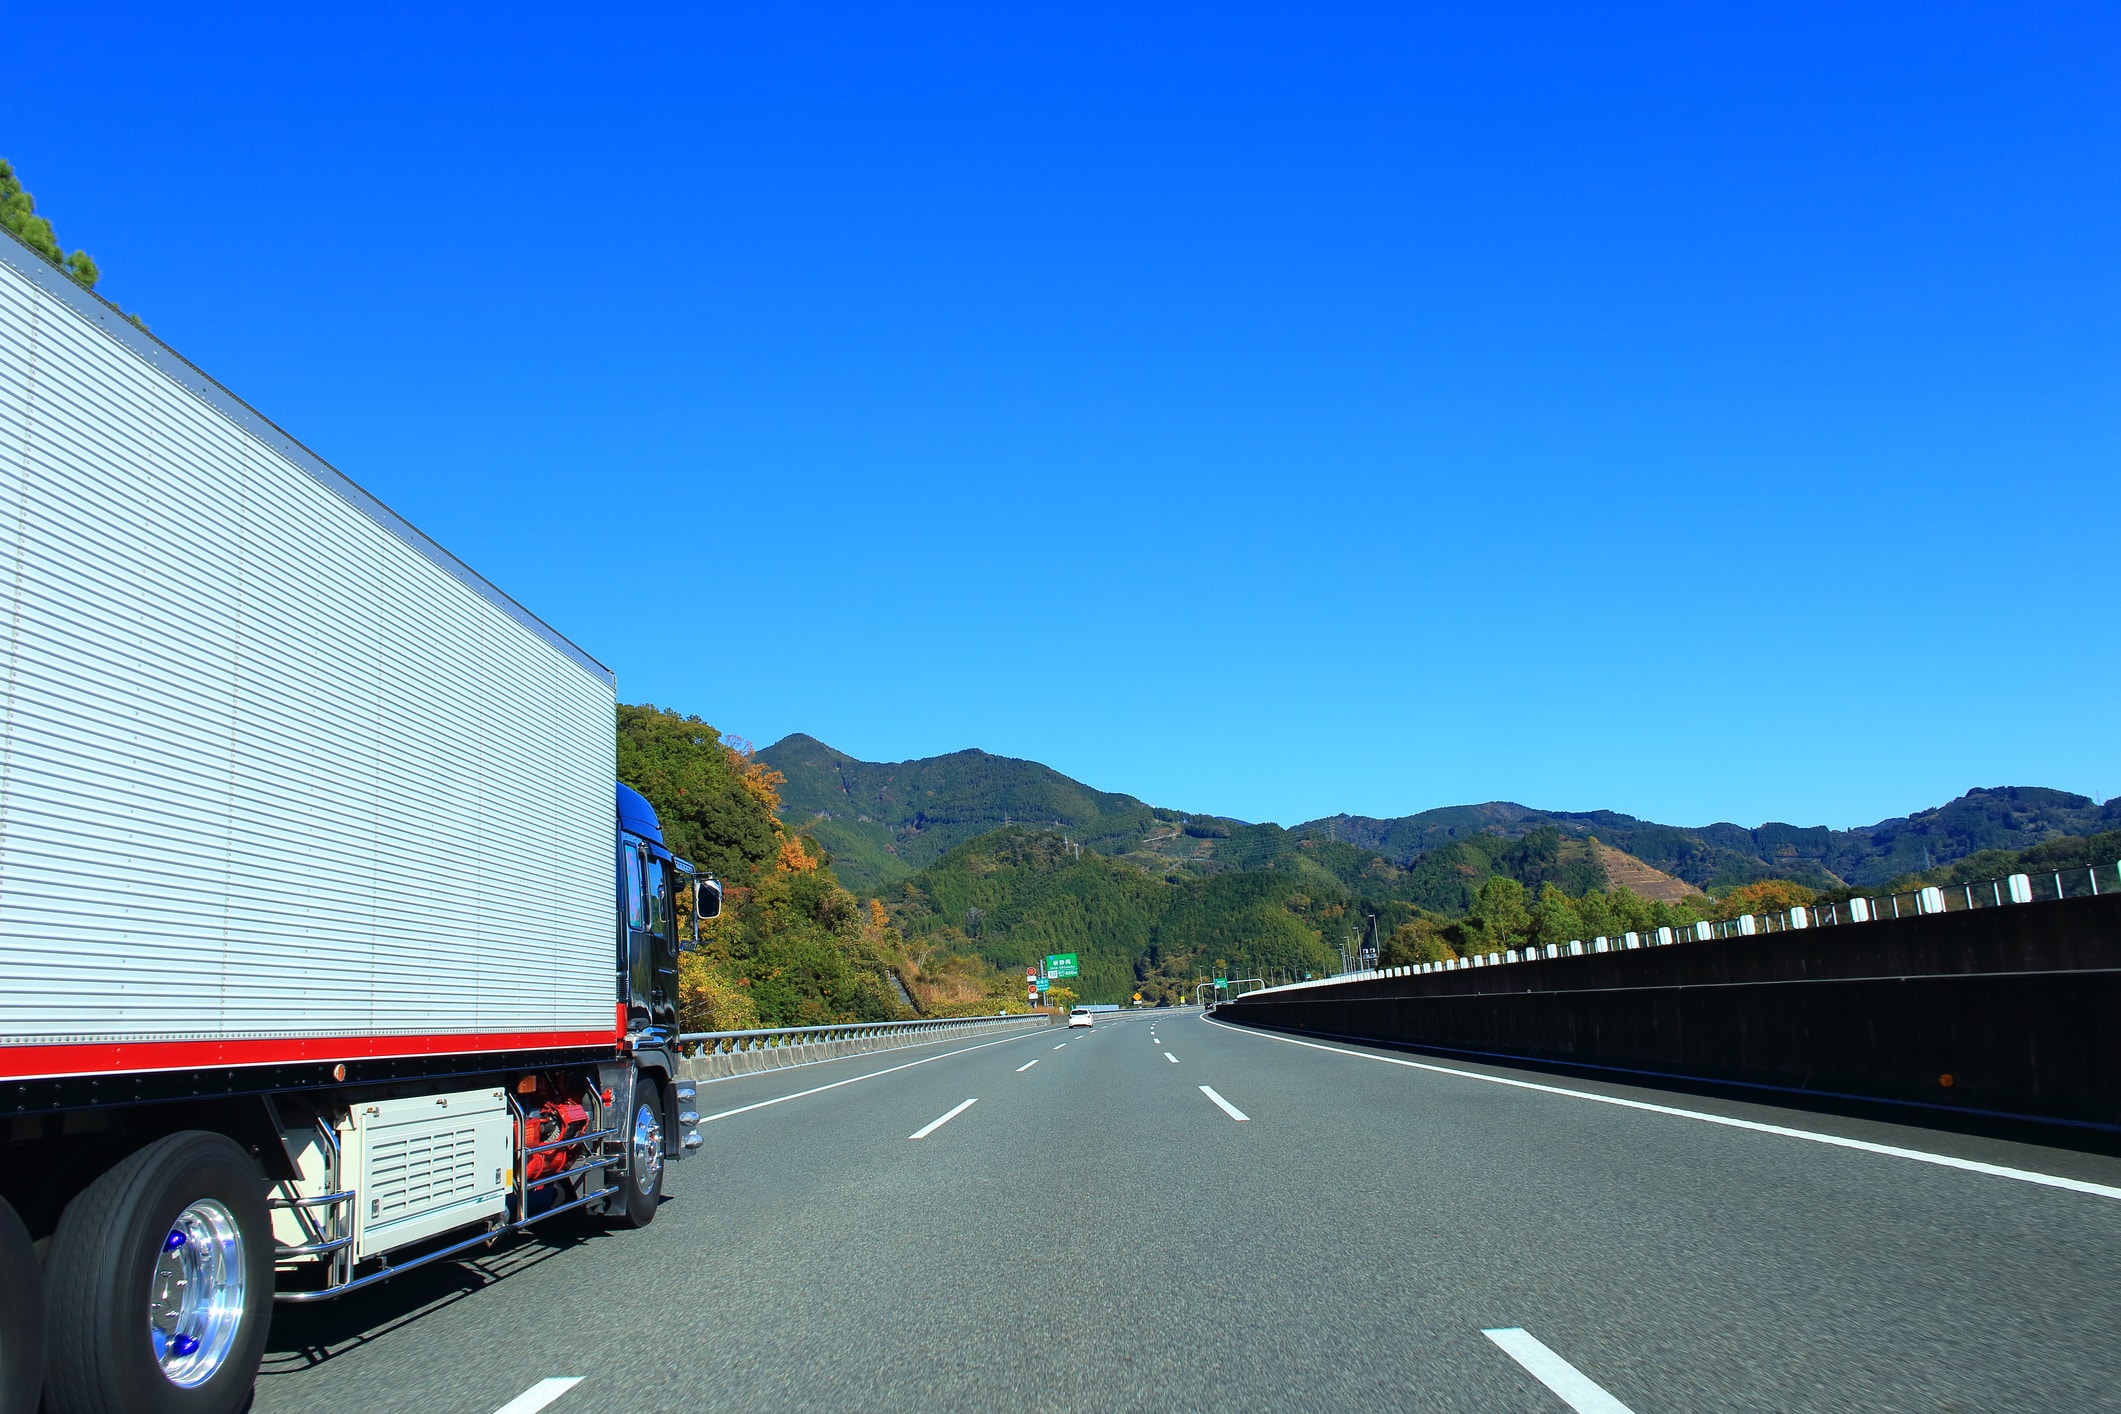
(1081, 1018)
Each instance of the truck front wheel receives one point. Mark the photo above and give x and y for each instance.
(161, 1279)
(21, 1317)
(642, 1187)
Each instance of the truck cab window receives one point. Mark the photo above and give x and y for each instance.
(658, 898)
(636, 890)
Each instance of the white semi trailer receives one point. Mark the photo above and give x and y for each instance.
(327, 947)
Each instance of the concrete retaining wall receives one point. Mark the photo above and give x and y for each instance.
(2013, 1011)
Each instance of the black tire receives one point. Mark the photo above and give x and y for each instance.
(103, 1263)
(641, 1188)
(21, 1317)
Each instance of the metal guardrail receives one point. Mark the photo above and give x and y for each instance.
(2045, 887)
(723, 1055)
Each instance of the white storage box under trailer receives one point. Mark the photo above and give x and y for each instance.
(313, 959)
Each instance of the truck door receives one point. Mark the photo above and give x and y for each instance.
(663, 947)
(637, 946)
(649, 967)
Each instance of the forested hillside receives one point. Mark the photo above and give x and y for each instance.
(967, 868)
(792, 947)
(1014, 896)
(1141, 925)
(1002, 860)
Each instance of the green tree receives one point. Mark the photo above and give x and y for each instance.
(1499, 915)
(1683, 914)
(798, 946)
(792, 948)
(18, 213)
(1554, 917)
(1628, 912)
(1416, 941)
(715, 802)
(1595, 913)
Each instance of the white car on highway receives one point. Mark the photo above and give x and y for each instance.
(1081, 1018)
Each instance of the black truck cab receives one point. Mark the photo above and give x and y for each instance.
(662, 901)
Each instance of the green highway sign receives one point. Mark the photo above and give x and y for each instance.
(1044, 983)
(1062, 964)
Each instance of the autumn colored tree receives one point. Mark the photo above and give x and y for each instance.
(1767, 896)
(716, 802)
(791, 947)
(709, 999)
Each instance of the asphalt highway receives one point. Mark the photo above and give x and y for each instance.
(1166, 1213)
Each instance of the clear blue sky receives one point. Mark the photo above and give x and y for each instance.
(1264, 410)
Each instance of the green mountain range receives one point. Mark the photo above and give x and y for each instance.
(884, 822)
(1009, 860)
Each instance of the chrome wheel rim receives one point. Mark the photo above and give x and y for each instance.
(195, 1298)
(647, 1147)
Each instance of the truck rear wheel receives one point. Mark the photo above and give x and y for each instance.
(21, 1317)
(642, 1187)
(162, 1282)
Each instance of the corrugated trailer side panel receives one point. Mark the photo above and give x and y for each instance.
(271, 768)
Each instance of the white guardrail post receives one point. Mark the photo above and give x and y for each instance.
(722, 1055)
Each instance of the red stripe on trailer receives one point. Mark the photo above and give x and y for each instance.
(106, 1058)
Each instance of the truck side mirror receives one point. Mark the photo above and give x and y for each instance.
(710, 900)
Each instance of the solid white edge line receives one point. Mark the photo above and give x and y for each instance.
(539, 1395)
(1224, 1105)
(1171, 1058)
(1920, 1156)
(1027, 1065)
(1575, 1389)
(934, 1124)
(821, 1089)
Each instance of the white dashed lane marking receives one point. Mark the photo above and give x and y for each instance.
(934, 1124)
(544, 1392)
(1575, 1389)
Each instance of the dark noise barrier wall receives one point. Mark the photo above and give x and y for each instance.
(2002, 1011)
